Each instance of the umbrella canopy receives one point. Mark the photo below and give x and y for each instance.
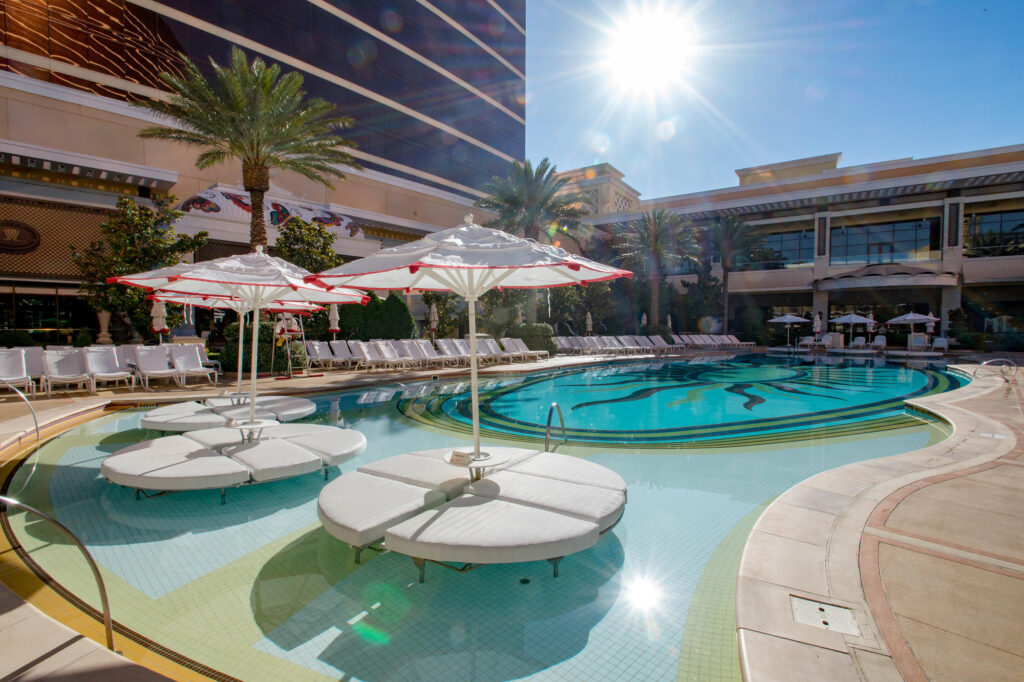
(159, 314)
(254, 278)
(852, 318)
(469, 260)
(912, 319)
(332, 319)
(787, 320)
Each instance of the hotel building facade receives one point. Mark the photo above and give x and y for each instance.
(935, 234)
(436, 90)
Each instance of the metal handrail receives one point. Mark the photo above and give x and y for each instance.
(108, 625)
(547, 433)
(992, 362)
(39, 442)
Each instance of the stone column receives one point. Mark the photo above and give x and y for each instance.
(950, 302)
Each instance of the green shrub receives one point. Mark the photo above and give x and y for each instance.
(83, 339)
(229, 356)
(14, 338)
(535, 336)
(397, 319)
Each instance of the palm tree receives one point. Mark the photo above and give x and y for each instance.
(528, 200)
(733, 243)
(653, 245)
(251, 113)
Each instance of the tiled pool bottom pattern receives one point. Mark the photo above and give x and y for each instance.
(257, 590)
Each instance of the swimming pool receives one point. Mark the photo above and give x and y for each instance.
(257, 590)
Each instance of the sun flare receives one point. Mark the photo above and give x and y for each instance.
(650, 50)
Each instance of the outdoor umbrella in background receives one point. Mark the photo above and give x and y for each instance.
(433, 319)
(912, 319)
(930, 326)
(668, 323)
(590, 323)
(159, 324)
(817, 324)
(257, 279)
(643, 322)
(469, 260)
(851, 320)
(332, 321)
(871, 324)
(789, 321)
(240, 307)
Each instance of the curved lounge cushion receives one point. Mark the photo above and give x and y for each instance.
(572, 470)
(357, 507)
(603, 506)
(426, 472)
(172, 463)
(480, 530)
(333, 448)
(272, 459)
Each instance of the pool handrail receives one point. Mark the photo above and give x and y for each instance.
(108, 625)
(992, 362)
(547, 433)
(35, 425)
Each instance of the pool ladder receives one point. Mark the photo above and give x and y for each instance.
(5, 502)
(547, 433)
(993, 361)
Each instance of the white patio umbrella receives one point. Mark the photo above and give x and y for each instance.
(912, 319)
(930, 326)
(668, 323)
(255, 278)
(871, 324)
(643, 320)
(240, 307)
(469, 260)
(817, 324)
(789, 321)
(159, 314)
(332, 319)
(851, 320)
(590, 323)
(433, 318)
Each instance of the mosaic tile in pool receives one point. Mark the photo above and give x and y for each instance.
(749, 400)
(256, 589)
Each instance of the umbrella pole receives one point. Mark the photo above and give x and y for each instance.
(273, 342)
(473, 381)
(253, 368)
(302, 330)
(241, 335)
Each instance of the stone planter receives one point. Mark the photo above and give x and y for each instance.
(104, 319)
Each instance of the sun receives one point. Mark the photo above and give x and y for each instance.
(650, 50)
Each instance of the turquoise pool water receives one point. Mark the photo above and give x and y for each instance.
(257, 590)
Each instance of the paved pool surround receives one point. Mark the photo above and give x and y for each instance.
(837, 537)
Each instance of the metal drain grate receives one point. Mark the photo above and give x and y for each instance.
(825, 616)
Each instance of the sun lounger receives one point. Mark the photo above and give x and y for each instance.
(101, 363)
(152, 364)
(340, 353)
(740, 344)
(519, 346)
(172, 463)
(859, 342)
(270, 460)
(940, 345)
(186, 359)
(319, 354)
(448, 348)
(64, 368)
(878, 343)
(430, 352)
(494, 351)
(13, 370)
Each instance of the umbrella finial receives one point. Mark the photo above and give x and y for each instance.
(468, 218)
(259, 249)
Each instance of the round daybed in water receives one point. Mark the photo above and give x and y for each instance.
(194, 415)
(222, 458)
(529, 506)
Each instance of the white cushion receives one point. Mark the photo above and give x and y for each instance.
(600, 505)
(357, 507)
(482, 530)
(175, 408)
(241, 412)
(183, 421)
(172, 463)
(287, 408)
(268, 460)
(216, 438)
(426, 472)
(333, 448)
(571, 469)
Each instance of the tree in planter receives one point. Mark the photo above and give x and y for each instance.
(136, 238)
(251, 113)
(528, 200)
(651, 247)
(734, 243)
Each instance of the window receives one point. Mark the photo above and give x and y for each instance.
(994, 234)
(780, 250)
(886, 242)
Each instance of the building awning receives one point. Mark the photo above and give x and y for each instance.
(887, 275)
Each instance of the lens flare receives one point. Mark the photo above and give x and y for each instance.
(650, 49)
(643, 594)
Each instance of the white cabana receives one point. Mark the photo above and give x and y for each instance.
(255, 278)
(469, 260)
(789, 321)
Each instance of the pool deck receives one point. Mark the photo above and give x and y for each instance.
(924, 548)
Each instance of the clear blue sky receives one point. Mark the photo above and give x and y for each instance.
(774, 80)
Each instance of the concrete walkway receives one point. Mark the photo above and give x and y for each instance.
(922, 550)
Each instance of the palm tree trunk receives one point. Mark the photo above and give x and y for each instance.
(725, 299)
(256, 181)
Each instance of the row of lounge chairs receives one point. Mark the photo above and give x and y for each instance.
(416, 353)
(646, 345)
(35, 368)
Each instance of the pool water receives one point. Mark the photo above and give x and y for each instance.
(255, 589)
